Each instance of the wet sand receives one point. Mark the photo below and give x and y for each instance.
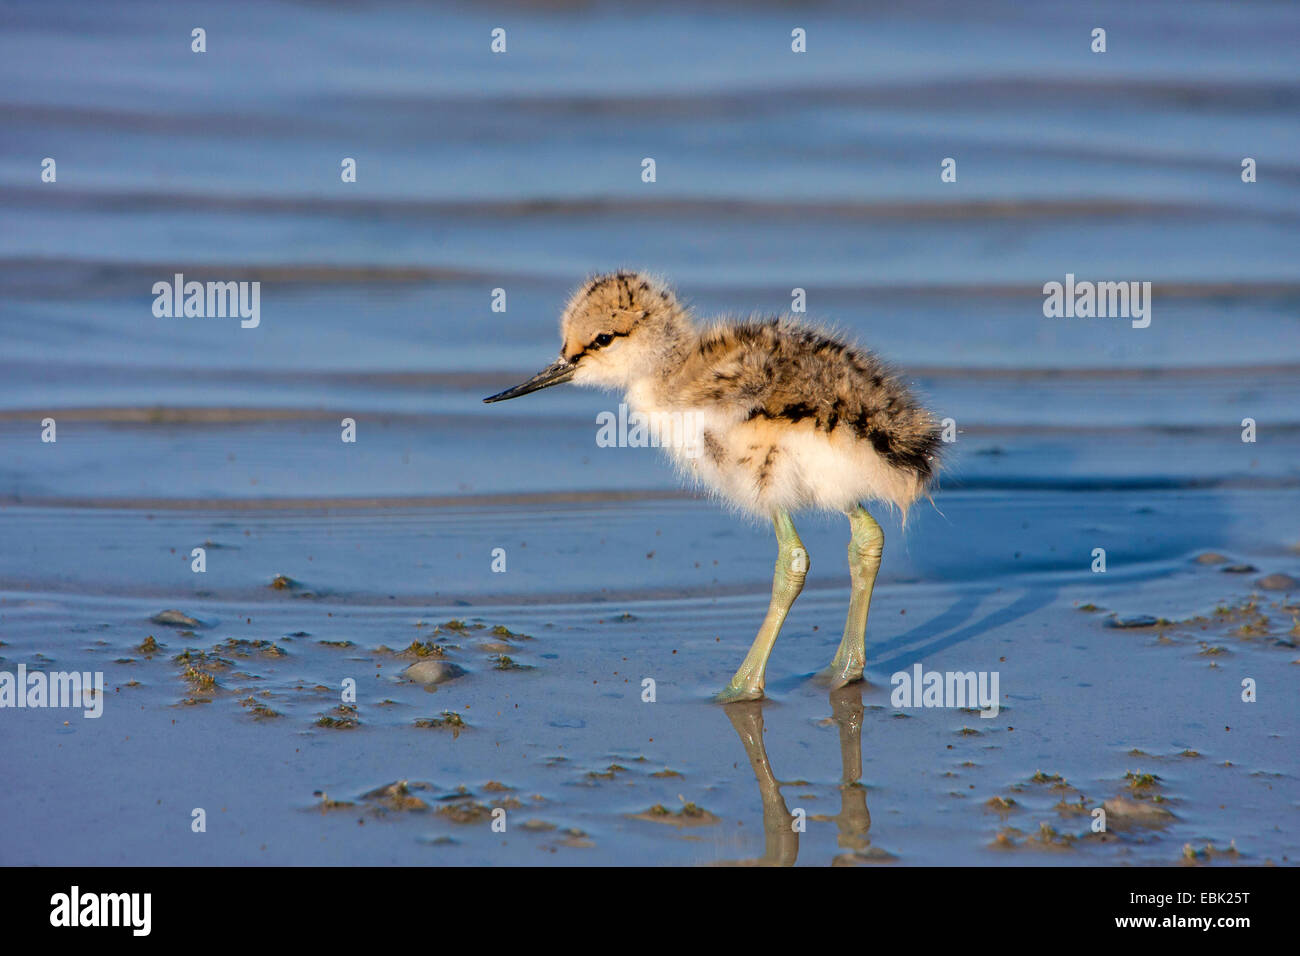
(552, 727)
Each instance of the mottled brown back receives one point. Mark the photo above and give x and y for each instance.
(781, 370)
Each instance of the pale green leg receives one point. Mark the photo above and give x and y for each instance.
(865, 547)
(787, 582)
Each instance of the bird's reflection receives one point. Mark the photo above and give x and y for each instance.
(854, 819)
(781, 836)
(781, 840)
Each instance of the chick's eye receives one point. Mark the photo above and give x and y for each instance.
(604, 339)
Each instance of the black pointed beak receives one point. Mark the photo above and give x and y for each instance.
(557, 373)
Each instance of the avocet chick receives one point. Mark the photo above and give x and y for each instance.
(778, 417)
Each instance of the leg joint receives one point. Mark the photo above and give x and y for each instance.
(792, 557)
(867, 542)
(793, 562)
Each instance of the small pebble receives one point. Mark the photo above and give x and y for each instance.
(430, 672)
(1137, 620)
(174, 618)
(1276, 582)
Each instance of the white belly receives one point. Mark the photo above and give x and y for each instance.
(761, 467)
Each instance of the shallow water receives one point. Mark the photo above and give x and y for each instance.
(522, 172)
